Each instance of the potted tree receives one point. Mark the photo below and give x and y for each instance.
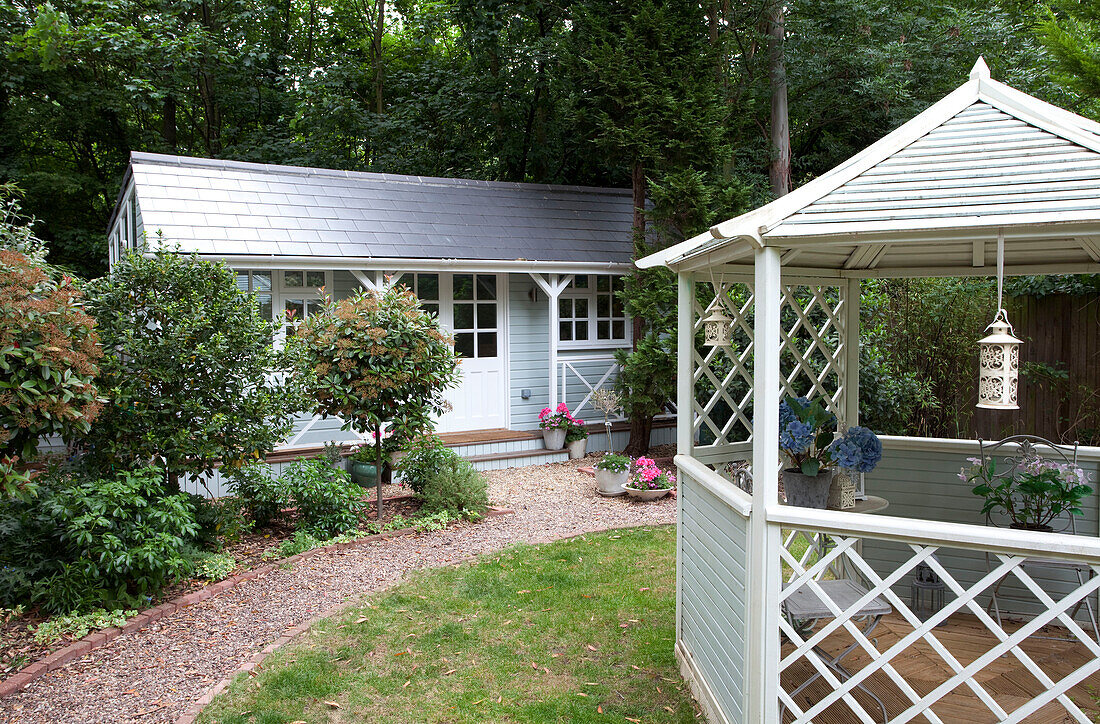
(612, 473)
(1031, 494)
(648, 481)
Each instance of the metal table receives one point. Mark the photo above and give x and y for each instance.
(804, 605)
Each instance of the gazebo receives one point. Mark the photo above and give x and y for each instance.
(987, 169)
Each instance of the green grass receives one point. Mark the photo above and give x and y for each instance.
(574, 631)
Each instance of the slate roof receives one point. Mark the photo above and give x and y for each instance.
(235, 208)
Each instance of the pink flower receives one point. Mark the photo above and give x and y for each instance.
(562, 407)
(578, 422)
(544, 413)
(645, 462)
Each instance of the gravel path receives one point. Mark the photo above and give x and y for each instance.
(152, 675)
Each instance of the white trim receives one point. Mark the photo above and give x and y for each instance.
(724, 490)
(850, 292)
(963, 446)
(347, 263)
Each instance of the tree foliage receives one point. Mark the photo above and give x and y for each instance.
(189, 369)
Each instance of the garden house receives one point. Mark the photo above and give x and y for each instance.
(789, 614)
(524, 275)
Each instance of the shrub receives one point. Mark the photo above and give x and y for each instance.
(220, 521)
(77, 625)
(455, 486)
(426, 455)
(188, 368)
(258, 492)
(328, 502)
(48, 356)
(214, 566)
(87, 542)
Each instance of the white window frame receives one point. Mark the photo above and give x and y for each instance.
(280, 292)
(572, 292)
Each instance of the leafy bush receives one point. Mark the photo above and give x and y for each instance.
(188, 368)
(48, 356)
(259, 493)
(78, 625)
(426, 455)
(220, 521)
(457, 487)
(87, 542)
(328, 502)
(214, 566)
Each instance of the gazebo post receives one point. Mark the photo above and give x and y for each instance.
(850, 340)
(762, 666)
(685, 403)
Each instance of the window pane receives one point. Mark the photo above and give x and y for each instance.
(464, 344)
(618, 329)
(313, 306)
(565, 331)
(264, 301)
(581, 308)
(603, 306)
(582, 331)
(242, 281)
(486, 344)
(315, 279)
(295, 308)
(428, 286)
(293, 279)
(617, 284)
(603, 283)
(617, 307)
(580, 281)
(433, 308)
(464, 286)
(565, 307)
(603, 330)
(261, 281)
(486, 286)
(408, 281)
(487, 316)
(464, 316)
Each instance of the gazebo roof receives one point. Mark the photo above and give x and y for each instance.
(931, 197)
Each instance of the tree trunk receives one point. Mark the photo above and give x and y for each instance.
(779, 172)
(379, 30)
(168, 122)
(641, 429)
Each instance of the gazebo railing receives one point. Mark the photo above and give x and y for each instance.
(953, 675)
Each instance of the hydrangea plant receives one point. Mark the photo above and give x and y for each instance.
(807, 437)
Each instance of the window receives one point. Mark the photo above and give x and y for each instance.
(426, 289)
(292, 295)
(475, 315)
(590, 311)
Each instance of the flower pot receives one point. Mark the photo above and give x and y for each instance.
(364, 474)
(807, 491)
(553, 439)
(610, 483)
(647, 494)
(1038, 528)
(576, 448)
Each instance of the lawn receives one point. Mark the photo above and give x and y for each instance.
(574, 631)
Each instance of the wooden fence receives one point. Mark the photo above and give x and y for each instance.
(1060, 372)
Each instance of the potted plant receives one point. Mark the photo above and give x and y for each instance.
(649, 482)
(555, 426)
(361, 460)
(612, 473)
(1032, 494)
(576, 438)
(807, 436)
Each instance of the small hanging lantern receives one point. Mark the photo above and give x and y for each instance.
(1000, 366)
(999, 353)
(925, 592)
(716, 329)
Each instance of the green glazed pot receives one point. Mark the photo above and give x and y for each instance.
(364, 474)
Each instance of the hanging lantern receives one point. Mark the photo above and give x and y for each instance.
(1000, 366)
(716, 329)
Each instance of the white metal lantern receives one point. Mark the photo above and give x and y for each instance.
(999, 363)
(716, 329)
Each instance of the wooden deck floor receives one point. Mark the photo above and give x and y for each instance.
(1010, 684)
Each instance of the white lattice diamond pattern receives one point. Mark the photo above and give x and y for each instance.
(810, 557)
(812, 351)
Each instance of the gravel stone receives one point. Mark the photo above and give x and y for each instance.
(154, 674)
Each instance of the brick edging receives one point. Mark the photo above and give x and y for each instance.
(191, 714)
(93, 641)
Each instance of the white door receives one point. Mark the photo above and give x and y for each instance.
(471, 306)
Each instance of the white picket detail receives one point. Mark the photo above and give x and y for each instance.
(817, 546)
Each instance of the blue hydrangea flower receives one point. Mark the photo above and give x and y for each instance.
(796, 437)
(857, 449)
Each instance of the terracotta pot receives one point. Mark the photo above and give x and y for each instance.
(807, 491)
(610, 483)
(553, 439)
